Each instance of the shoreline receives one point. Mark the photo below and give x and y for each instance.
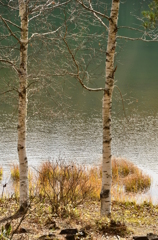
(139, 197)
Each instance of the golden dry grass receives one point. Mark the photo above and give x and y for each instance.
(15, 172)
(53, 177)
(1, 173)
(130, 176)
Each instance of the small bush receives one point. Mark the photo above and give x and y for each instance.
(66, 185)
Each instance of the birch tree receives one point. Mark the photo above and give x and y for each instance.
(110, 69)
(22, 109)
(105, 194)
(109, 23)
(15, 38)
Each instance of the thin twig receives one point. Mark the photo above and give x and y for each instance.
(123, 106)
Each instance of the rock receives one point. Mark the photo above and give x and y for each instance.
(70, 237)
(140, 238)
(150, 236)
(22, 230)
(69, 231)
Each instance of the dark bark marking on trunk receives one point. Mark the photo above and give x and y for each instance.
(107, 141)
(22, 48)
(107, 54)
(20, 95)
(107, 91)
(20, 147)
(115, 30)
(108, 121)
(106, 128)
(24, 91)
(104, 193)
(113, 72)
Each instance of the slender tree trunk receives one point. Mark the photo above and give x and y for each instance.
(105, 194)
(23, 162)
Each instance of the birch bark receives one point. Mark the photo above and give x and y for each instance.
(105, 194)
(22, 109)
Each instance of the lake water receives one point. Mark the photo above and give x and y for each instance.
(75, 134)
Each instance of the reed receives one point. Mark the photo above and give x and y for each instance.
(1, 173)
(15, 172)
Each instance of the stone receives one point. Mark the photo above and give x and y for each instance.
(70, 237)
(140, 238)
(69, 231)
(150, 236)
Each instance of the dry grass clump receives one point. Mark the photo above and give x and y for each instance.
(130, 176)
(15, 172)
(122, 168)
(1, 173)
(137, 182)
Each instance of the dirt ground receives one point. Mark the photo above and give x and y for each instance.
(127, 220)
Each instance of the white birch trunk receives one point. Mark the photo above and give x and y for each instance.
(105, 194)
(22, 111)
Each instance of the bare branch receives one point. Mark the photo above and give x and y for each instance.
(11, 63)
(46, 7)
(44, 34)
(94, 11)
(98, 17)
(10, 29)
(10, 90)
(140, 39)
(12, 23)
(78, 71)
(131, 28)
(7, 5)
